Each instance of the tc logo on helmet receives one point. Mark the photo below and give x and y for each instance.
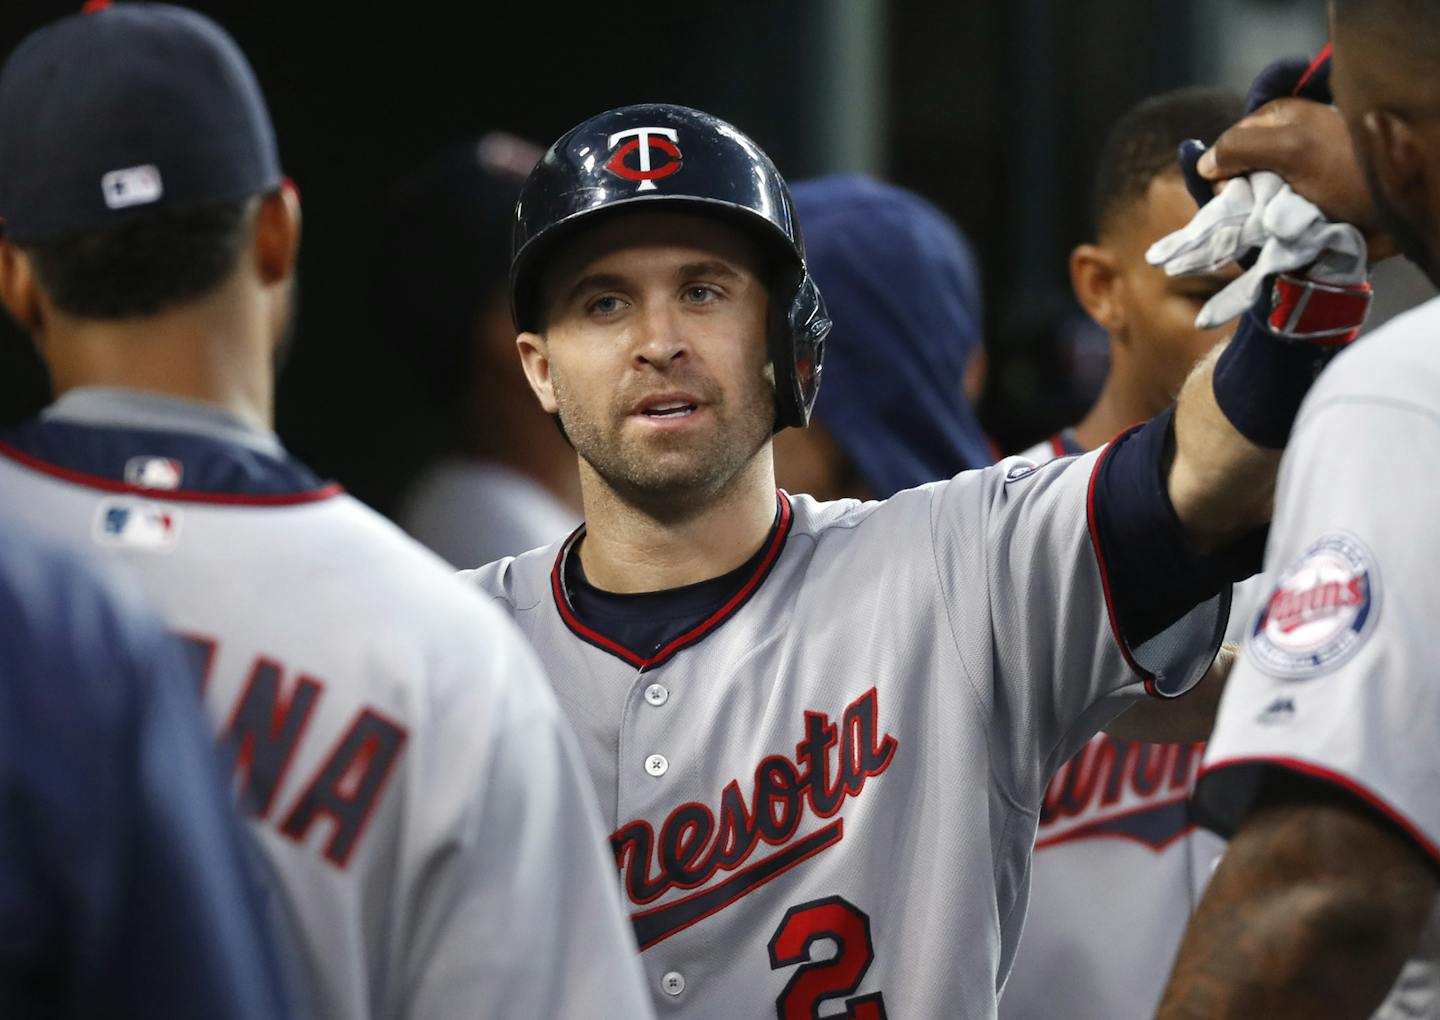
(644, 139)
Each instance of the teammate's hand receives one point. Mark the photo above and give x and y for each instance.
(1308, 144)
(1261, 212)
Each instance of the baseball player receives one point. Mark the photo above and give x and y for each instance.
(894, 412)
(396, 748)
(1323, 764)
(124, 887)
(822, 731)
(1118, 861)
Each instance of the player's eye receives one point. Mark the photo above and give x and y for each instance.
(700, 294)
(605, 304)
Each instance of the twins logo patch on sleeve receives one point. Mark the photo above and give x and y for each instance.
(1322, 608)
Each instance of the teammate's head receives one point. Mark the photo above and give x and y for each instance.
(138, 172)
(1386, 82)
(1138, 198)
(447, 302)
(657, 264)
(904, 293)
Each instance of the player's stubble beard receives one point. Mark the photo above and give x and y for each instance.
(1409, 232)
(671, 475)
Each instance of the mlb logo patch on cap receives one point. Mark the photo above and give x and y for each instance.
(136, 185)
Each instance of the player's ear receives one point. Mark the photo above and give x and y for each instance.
(1397, 159)
(19, 290)
(277, 234)
(535, 359)
(1095, 278)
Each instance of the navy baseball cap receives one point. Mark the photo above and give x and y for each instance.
(124, 109)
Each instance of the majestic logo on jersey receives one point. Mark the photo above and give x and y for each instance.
(641, 142)
(831, 765)
(136, 524)
(1119, 789)
(154, 472)
(1281, 710)
(1319, 612)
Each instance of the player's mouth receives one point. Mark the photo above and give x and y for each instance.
(673, 410)
(667, 409)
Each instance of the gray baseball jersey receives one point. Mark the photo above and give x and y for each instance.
(416, 794)
(1340, 673)
(1119, 866)
(825, 795)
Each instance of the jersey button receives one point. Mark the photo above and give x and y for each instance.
(657, 695)
(673, 983)
(656, 765)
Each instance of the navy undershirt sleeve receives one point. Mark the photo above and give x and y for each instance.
(1155, 575)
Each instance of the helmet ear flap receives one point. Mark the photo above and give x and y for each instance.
(798, 330)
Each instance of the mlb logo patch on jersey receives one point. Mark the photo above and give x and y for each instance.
(1319, 612)
(154, 472)
(137, 524)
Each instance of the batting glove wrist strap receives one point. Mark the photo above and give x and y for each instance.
(1260, 380)
(1303, 310)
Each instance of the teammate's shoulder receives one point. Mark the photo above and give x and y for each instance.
(1397, 363)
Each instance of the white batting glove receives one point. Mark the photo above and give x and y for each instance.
(1262, 212)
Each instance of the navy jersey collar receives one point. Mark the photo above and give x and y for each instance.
(124, 441)
(695, 611)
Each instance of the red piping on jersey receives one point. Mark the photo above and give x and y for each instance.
(1315, 66)
(715, 619)
(1338, 779)
(171, 495)
(1057, 446)
(1144, 674)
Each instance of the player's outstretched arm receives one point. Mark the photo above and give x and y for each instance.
(1314, 908)
(1221, 484)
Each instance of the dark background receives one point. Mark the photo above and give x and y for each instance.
(993, 110)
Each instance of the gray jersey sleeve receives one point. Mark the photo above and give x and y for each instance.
(522, 917)
(1048, 644)
(1338, 675)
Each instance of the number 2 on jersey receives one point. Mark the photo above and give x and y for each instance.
(818, 981)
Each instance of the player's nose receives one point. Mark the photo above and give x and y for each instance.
(659, 338)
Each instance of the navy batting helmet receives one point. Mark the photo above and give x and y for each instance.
(657, 152)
